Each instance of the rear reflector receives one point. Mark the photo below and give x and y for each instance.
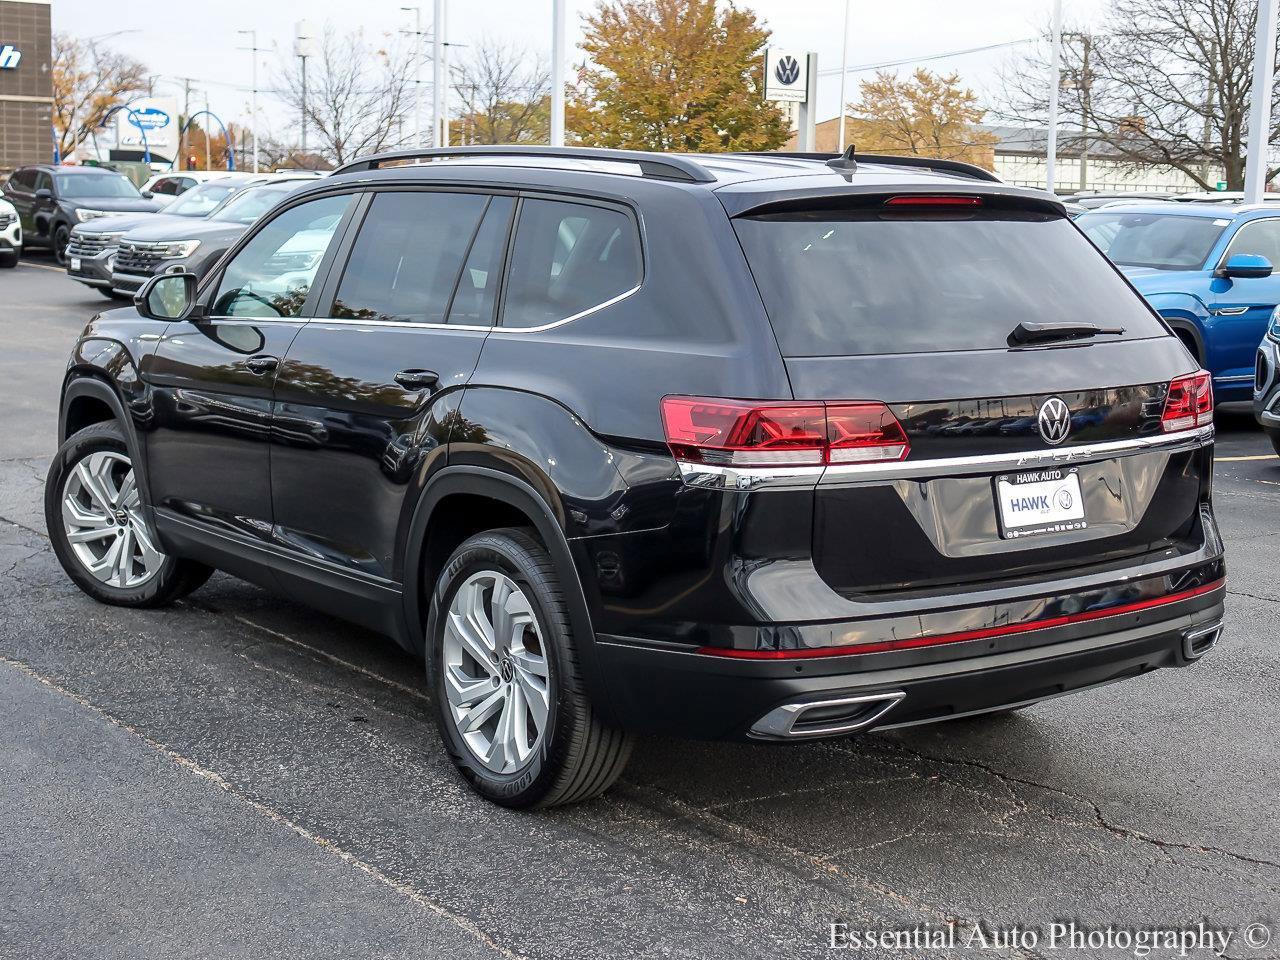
(741, 433)
(940, 639)
(1189, 403)
(933, 200)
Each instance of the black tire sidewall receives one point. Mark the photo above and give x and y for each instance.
(8, 259)
(496, 551)
(98, 437)
(61, 237)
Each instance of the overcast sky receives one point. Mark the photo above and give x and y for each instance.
(200, 40)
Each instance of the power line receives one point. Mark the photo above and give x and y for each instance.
(863, 67)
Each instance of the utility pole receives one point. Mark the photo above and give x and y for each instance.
(186, 122)
(253, 108)
(417, 75)
(444, 71)
(1264, 54)
(303, 47)
(437, 71)
(1055, 74)
(844, 70)
(557, 73)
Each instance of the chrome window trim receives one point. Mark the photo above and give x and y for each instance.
(503, 328)
(852, 474)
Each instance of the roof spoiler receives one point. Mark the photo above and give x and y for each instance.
(848, 161)
(661, 166)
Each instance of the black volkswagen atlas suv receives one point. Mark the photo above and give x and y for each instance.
(767, 447)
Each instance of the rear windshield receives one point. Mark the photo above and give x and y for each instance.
(873, 281)
(1159, 240)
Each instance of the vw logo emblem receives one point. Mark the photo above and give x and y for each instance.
(1054, 420)
(787, 71)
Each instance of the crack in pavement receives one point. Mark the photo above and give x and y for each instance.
(1252, 596)
(404, 889)
(1130, 833)
(22, 526)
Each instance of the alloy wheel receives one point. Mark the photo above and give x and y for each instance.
(103, 522)
(495, 670)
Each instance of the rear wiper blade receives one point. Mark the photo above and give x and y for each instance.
(1031, 332)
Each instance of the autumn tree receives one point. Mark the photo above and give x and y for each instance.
(675, 75)
(505, 94)
(88, 80)
(927, 114)
(1162, 82)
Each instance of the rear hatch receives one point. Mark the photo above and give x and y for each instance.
(1033, 448)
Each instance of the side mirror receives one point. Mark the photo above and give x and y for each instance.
(1245, 265)
(44, 193)
(148, 195)
(170, 296)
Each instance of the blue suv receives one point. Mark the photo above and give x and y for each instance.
(1207, 269)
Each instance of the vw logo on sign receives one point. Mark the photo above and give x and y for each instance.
(787, 71)
(1054, 420)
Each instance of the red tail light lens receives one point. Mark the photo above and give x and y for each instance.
(739, 433)
(933, 200)
(1189, 403)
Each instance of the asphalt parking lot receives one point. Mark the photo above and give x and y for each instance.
(237, 776)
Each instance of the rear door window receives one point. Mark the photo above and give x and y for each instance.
(876, 281)
(567, 259)
(408, 255)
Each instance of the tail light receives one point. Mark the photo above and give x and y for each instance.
(740, 433)
(1189, 403)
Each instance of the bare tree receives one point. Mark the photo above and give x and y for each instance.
(505, 93)
(356, 95)
(88, 80)
(1164, 82)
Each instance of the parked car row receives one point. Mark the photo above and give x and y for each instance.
(116, 255)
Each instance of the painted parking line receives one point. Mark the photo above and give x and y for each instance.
(44, 266)
(1265, 456)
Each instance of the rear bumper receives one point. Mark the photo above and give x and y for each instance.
(659, 689)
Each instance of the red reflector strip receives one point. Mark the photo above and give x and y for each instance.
(945, 638)
(933, 200)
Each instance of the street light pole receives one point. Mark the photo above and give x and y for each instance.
(1055, 79)
(844, 70)
(417, 74)
(557, 73)
(302, 48)
(1255, 170)
(444, 72)
(253, 104)
(437, 71)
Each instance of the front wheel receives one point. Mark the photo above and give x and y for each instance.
(501, 661)
(93, 511)
(61, 237)
(8, 259)
(1274, 437)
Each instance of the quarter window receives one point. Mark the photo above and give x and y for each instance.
(272, 274)
(568, 258)
(408, 256)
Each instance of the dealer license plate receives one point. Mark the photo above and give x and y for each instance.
(1040, 501)
(75, 263)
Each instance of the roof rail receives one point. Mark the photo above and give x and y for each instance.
(657, 165)
(930, 163)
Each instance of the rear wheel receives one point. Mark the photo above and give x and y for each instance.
(501, 661)
(93, 511)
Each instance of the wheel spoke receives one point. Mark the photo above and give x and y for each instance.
(474, 643)
(151, 557)
(502, 751)
(93, 485)
(103, 568)
(473, 719)
(124, 559)
(464, 691)
(498, 616)
(128, 492)
(533, 691)
(89, 534)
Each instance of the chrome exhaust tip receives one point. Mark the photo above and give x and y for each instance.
(1198, 641)
(825, 718)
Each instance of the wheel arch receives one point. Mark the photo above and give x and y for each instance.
(515, 500)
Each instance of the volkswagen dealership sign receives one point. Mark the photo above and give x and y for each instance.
(10, 57)
(786, 75)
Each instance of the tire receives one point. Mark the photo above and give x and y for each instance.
(1274, 437)
(8, 259)
(571, 756)
(61, 237)
(109, 293)
(148, 578)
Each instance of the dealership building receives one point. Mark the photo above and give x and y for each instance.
(26, 83)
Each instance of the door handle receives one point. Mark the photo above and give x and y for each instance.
(417, 379)
(262, 364)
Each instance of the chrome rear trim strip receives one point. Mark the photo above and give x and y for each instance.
(851, 474)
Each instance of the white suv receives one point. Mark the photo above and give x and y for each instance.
(10, 235)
